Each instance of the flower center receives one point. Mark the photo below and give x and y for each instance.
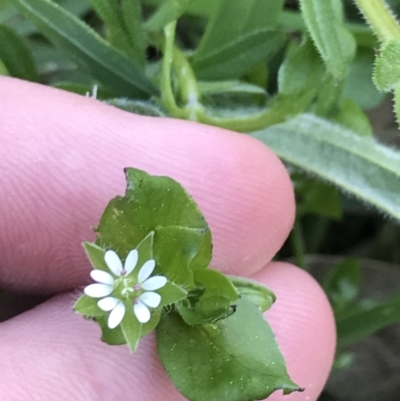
(127, 287)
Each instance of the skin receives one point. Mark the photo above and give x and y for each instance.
(62, 158)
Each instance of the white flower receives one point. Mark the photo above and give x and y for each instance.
(126, 288)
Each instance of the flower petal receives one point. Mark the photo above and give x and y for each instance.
(113, 262)
(131, 261)
(102, 277)
(154, 283)
(98, 290)
(107, 304)
(116, 315)
(151, 299)
(141, 311)
(146, 270)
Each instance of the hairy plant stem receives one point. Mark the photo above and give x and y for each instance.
(380, 18)
(298, 245)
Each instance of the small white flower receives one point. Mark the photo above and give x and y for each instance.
(130, 289)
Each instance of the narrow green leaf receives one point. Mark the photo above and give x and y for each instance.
(254, 292)
(235, 58)
(333, 40)
(357, 165)
(352, 116)
(110, 336)
(317, 197)
(170, 10)
(132, 15)
(233, 19)
(387, 67)
(107, 64)
(342, 283)
(355, 326)
(246, 364)
(16, 55)
(302, 69)
(131, 328)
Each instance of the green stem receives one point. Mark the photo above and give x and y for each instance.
(381, 19)
(167, 93)
(298, 245)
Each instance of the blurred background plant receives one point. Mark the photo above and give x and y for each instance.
(309, 78)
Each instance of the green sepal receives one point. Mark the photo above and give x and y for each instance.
(110, 336)
(171, 293)
(96, 254)
(87, 306)
(131, 329)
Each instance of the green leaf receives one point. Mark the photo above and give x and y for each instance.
(335, 43)
(170, 10)
(131, 328)
(119, 34)
(142, 107)
(107, 64)
(342, 283)
(352, 116)
(316, 197)
(362, 323)
(223, 362)
(302, 69)
(87, 306)
(149, 202)
(387, 68)
(132, 15)
(237, 57)
(16, 55)
(234, 19)
(3, 69)
(357, 165)
(358, 84)
(254, 292)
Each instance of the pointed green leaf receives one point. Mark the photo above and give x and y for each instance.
(362, 323)
(387, 67)
(324, 21)
(302, 69)
(357, 165)
(237, 57)
(87, 306)
(16, 55)
(131, 328)
(249, 358)
(254, 292)
(107, 64)
(170, 10)
(353, 117)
